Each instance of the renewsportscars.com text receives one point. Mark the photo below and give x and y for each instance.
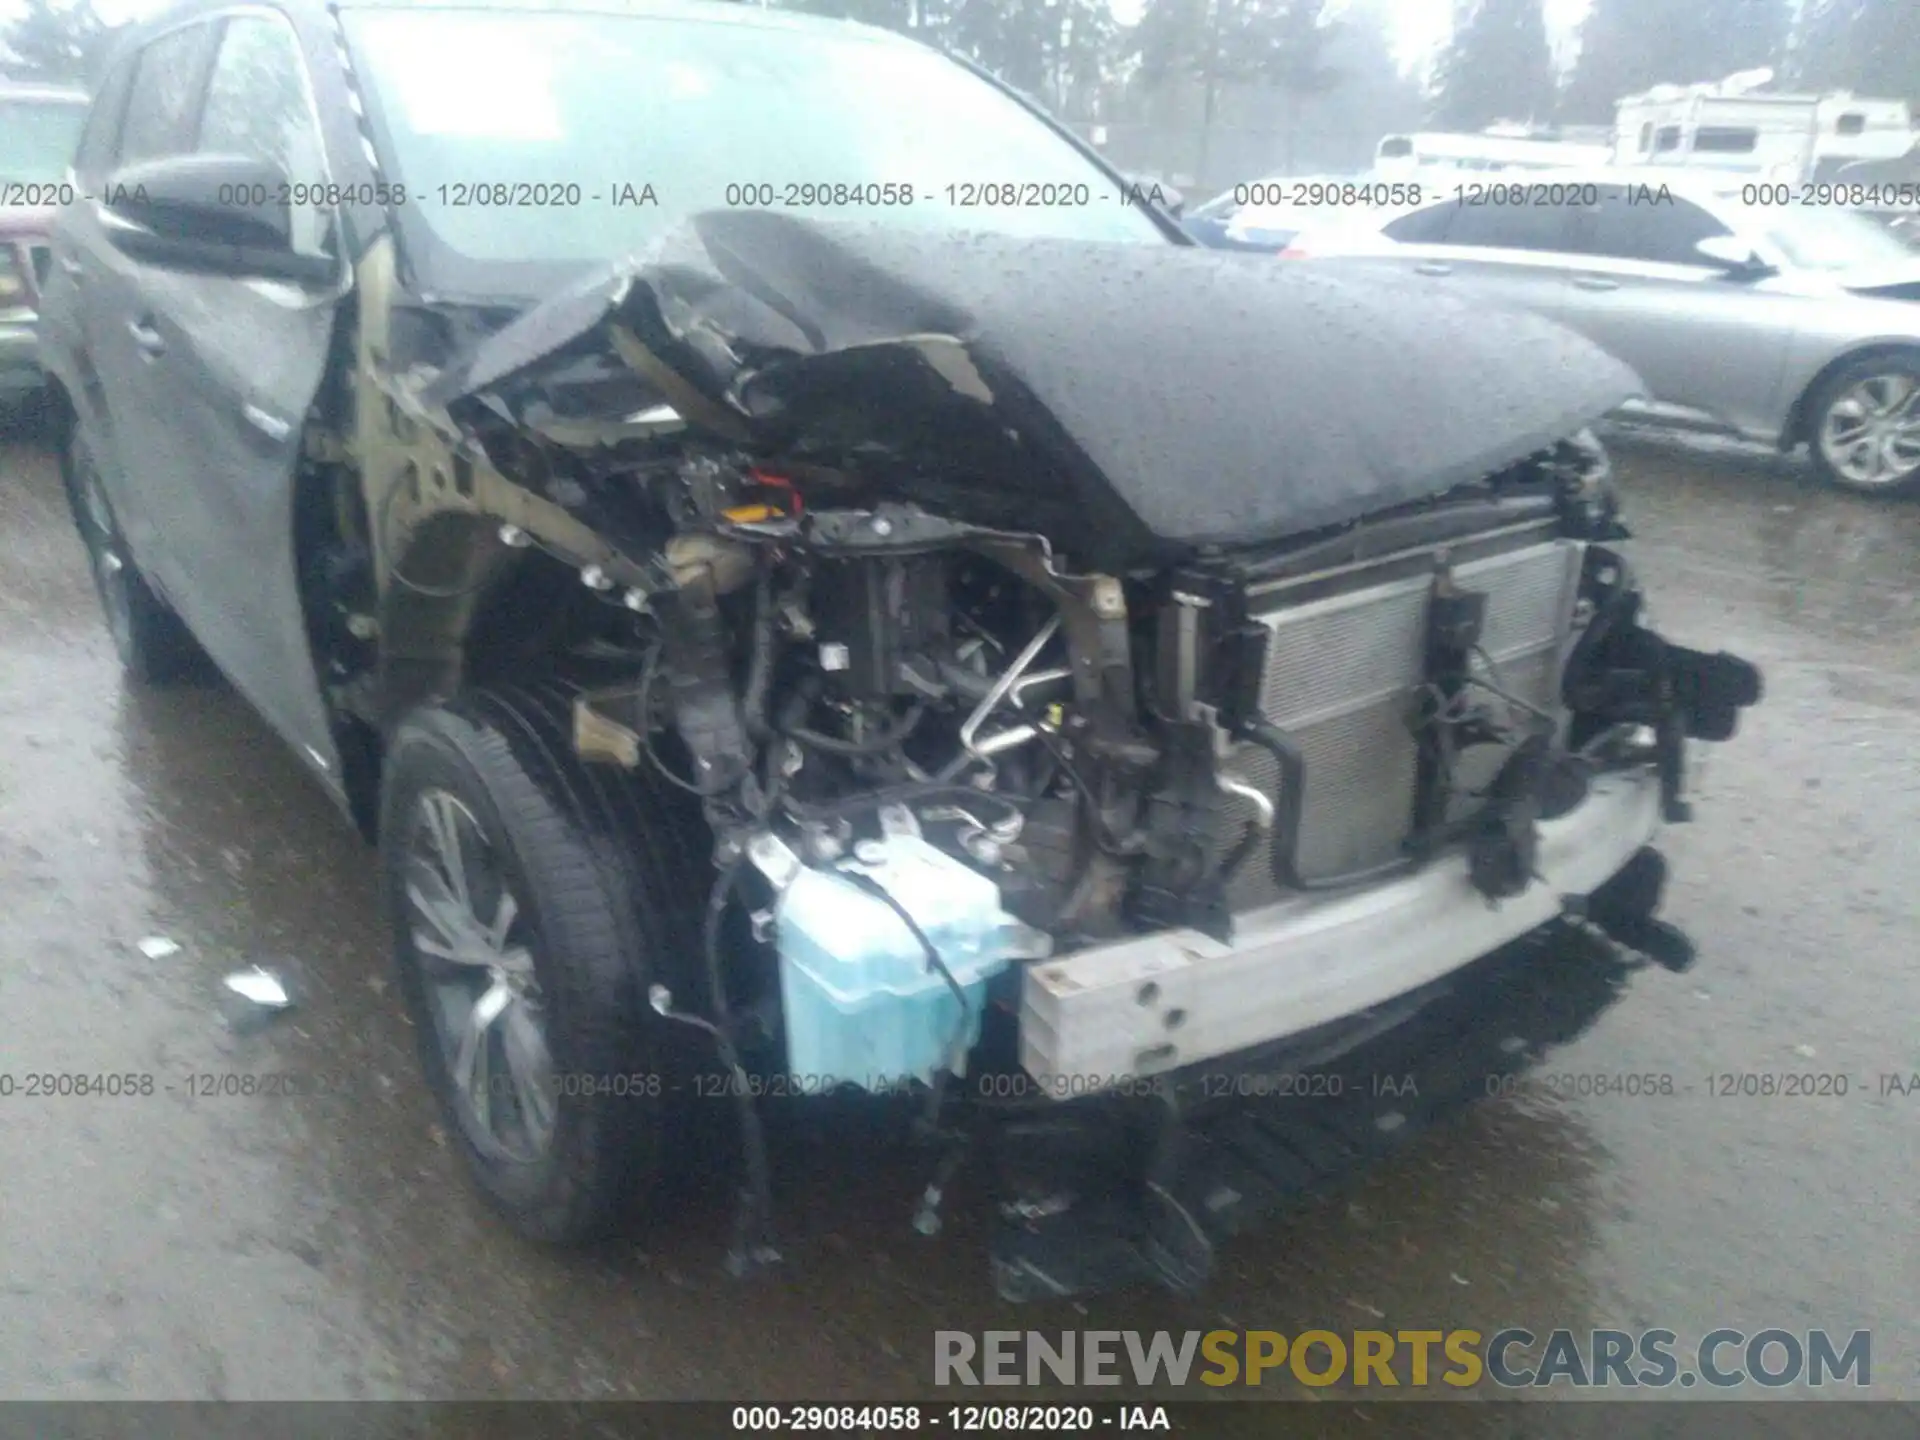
(1512, 1358)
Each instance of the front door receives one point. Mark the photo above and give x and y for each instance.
(124, 401)
(1703, 340)
(242, 362)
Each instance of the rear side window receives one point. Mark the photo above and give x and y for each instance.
(1726, 139)
(257, 106)
(1667, 137)
(166, 84)
(1851, 123)
(1635, 226)
(1510, 227)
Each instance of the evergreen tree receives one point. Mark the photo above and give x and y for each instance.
(1282, 44)
(1627, 46)
(1871, 47)
(56, 39)
(1497, 66)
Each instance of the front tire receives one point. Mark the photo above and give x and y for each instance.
(153, 643)
(533, 899)
(1864, 426)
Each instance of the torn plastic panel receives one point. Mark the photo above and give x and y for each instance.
(1147, 1186)
(1059, 384)
(1621, 673)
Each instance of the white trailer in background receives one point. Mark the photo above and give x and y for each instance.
(1409, 157)
(1738, 125)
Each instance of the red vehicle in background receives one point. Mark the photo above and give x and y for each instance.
(39, 131)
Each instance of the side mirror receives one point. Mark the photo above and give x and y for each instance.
(1736, 257)
(215, 214)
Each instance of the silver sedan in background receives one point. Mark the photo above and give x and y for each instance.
(1743, 310)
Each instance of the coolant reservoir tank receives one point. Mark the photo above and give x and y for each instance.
(864, 1004)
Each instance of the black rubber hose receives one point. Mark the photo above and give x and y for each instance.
(934, 962)
(756, 1222)
(753, 704)
(1113, 845)
(1286, 818)
(644, 701)
(833, 744)
(1237, 857)
(973, 686)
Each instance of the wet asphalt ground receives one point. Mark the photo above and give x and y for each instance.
(328, 1246)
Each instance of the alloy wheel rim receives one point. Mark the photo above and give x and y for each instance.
(1871, 434)
(468, 934)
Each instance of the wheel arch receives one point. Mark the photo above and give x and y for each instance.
(1798, 429)
(56, 420)
(436, 576)
(59, 399)
(422, 626)
(477, 574)
(462, 607)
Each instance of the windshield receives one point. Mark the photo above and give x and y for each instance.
(38, 138)
(542, 136)
(1830, 240)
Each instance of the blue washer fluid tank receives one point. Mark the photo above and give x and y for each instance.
(863, 1003)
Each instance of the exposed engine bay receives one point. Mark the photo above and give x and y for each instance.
(901, 702)
(998, 710)
(887, 582)
(1123, 756)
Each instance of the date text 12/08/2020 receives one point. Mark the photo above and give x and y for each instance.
(956, 1419)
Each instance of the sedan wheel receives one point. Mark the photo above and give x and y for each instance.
(1867, 427)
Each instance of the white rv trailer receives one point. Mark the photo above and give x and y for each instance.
(1407, 157)
(1736, 124)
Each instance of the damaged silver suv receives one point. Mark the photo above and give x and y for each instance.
(814, 581)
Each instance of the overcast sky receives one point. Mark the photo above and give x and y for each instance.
(1419, 26)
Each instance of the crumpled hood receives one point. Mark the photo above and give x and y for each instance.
(1146, 399)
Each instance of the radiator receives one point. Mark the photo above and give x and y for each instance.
(1343, 677)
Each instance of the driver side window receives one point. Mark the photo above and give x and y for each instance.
(158, 118)
(257, 106)
(1638, 223)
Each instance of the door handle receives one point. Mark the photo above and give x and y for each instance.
(146, 337)
(267, 423)
(1594, 282)
(1433, 267)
